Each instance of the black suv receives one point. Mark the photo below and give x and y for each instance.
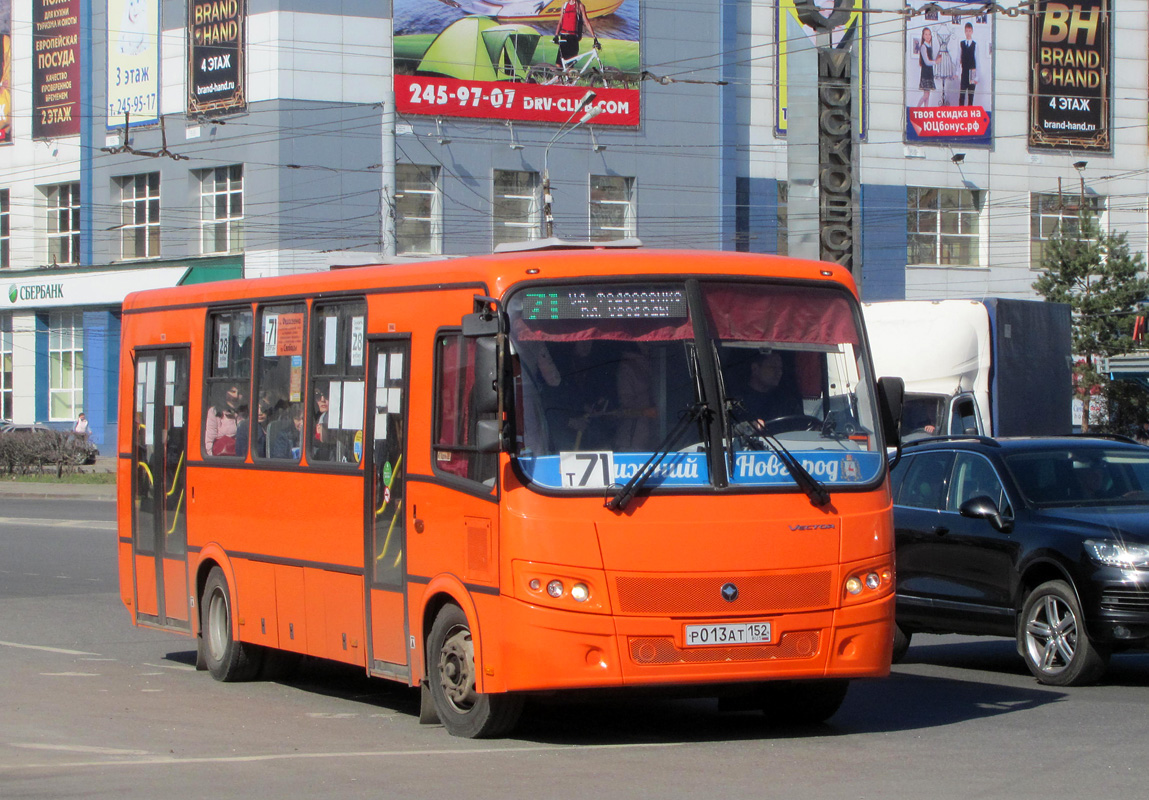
(1042, 539)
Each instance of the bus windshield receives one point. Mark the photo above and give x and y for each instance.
(718, 374)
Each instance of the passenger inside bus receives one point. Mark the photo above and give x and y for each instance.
(287, 435)
(323, 449)
(223, 419)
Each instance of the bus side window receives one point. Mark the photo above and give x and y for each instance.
(228, 384)
(456, 421)
(338, 383)
(278, 384)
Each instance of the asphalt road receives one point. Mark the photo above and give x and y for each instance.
(92, 707)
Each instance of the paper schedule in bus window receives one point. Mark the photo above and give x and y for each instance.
(353, 405)
(330, 339)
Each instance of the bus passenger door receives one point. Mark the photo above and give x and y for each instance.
(159, 468)
(386, 534)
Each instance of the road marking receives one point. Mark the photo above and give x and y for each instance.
(70, 674)
(79, 748)
(178, 667)
(151, 761)
(59, 650)
(60, 523)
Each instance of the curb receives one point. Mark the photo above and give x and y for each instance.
(50, 491)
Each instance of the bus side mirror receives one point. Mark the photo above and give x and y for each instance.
(485, 395)
(481, 323)
(485, 321)
(891, 395)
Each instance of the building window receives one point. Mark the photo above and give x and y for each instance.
(5, 230)
(140, 215)
(65, 364)
(516, 216)
(1049, 213)
(418, 210)
(942, 227)
(221, 209)
(611, 207)
(63, 223)
(5, 366)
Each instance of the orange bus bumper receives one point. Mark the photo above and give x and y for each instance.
(545, 648)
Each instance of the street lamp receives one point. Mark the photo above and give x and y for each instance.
(1080, 167)
(587, 99)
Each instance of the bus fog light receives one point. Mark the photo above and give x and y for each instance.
(853, 585)
(535, 584)
(580, 593)
(873, 581)
(555, 588)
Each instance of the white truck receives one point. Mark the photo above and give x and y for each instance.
(992, 367)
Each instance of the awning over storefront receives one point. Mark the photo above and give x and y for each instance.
(106, 286)
(50, 289)
(1130, 367)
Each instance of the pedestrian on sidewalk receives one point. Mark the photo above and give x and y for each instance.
(80, 429)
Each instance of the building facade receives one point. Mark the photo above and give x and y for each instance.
(156, 142)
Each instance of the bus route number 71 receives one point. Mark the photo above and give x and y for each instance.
(586, 470)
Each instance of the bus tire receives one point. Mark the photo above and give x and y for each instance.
(802, 702)
(901, 643)
(227, 659)
(463, 710)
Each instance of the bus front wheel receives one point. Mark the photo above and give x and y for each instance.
(808, 702)
(462, 709)
(226, 658)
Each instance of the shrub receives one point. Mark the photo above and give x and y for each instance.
(37, 452)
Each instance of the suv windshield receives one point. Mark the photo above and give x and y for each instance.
(606, 375)
(1083, 475)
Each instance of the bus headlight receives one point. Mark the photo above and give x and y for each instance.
(868, 583)
(556, 586)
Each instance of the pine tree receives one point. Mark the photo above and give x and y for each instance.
(1095, 272)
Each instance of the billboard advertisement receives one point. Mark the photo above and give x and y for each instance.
(1070, 80)
(949, 75)
(133, 62)
(518, 60)
(216, 47)
(848, 36)
(5, 71)
(55, 68)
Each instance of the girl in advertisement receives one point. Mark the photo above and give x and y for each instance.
(926, 61)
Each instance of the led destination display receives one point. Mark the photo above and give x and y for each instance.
(582, 303)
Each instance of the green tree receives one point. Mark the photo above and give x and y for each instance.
(1103, 282)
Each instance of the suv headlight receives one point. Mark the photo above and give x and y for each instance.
(1113, 553)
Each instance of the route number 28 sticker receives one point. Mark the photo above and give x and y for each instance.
(586, 470)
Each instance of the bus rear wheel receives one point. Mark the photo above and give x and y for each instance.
(462, 709)
(226, 658)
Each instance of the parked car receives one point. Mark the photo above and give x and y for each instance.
(1042, 539)
(85, 451)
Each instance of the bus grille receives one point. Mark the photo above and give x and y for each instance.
(648, 650)
(695, 595)
(1125, 600)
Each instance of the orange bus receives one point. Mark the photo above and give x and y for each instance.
(518, 473)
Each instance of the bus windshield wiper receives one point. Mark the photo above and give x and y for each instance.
(816, 490)
(624, 495)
